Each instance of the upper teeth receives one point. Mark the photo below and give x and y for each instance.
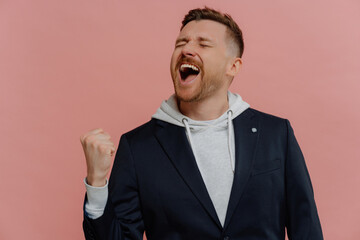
(185, 65)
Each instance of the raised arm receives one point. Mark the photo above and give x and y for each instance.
(122, 217)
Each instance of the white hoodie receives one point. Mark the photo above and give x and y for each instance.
(213, 146)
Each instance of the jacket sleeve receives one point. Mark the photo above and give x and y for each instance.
(302, 220)
(122, 218)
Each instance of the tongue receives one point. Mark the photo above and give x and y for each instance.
(190, 78)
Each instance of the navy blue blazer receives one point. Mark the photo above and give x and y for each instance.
(155, 186)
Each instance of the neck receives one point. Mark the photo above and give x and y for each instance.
(208, 108)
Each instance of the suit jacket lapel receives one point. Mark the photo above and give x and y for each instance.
(175, 143)
(246, 129)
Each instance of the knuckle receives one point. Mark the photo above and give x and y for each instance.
(95, 144)
(85, 139)
(102, 148)
(89, 139)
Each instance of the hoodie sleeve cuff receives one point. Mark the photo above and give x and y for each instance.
(96, 200)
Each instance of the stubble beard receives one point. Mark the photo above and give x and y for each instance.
(205, 89)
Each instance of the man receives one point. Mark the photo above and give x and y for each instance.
(206, 166)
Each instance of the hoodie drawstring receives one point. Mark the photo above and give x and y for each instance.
(186, 123)
(229, 113)
(187, 127)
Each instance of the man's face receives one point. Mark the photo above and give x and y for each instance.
(200, 61)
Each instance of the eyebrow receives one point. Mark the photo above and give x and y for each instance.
(200, 39)
(205, 39)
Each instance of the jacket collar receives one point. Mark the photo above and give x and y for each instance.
(174, 142)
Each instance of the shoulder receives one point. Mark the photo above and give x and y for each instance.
(142, 131)
(264, 117)
(271, 123)
(267, 116)
(145, 133)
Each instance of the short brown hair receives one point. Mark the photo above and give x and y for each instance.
(211, 14)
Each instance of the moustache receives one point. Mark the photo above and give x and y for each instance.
(187, 60)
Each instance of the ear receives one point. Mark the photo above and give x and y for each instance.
(234, 67)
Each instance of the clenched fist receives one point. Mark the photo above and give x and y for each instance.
(98, 149)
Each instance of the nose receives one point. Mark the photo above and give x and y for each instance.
(188, 50)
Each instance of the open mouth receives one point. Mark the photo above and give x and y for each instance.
(188, 72)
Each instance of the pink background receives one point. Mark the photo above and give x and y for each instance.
(70, 66)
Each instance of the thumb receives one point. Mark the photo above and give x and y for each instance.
(112, 151)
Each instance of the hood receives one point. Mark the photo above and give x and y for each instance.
(169, 112)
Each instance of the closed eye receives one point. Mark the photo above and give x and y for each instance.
(204, 45)
(180, 42)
